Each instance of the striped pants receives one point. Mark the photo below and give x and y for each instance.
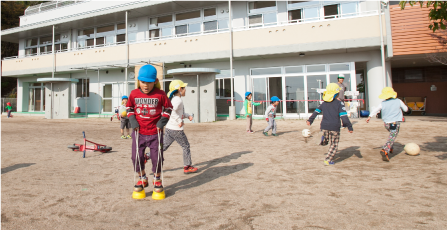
(334, 137)
(392, 137)
(182, 140)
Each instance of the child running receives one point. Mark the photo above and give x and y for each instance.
(174, 128)
(330, 125)
(391, 116)
(148, 110)
(124, 119)
(270, 115)
(8, 110)
(248, 110)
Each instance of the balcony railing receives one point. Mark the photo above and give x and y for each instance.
(49, 6)
(247, 27)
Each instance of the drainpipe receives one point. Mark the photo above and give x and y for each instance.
(52, 73)
(85, 98)
(382, 46)
(99, 97)
(127, 58)
(198, 99)
(232, 109)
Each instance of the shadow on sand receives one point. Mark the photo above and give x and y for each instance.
(347, 153)
(208, 173)
(16, 166)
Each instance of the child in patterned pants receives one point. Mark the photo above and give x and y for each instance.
(334, 111)
(391, 116)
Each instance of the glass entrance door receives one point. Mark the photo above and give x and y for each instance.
(314, 84)
(107, 98)
(295, 90)
(35, 98)
(263, 90)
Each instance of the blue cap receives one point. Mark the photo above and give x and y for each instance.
(275, 98)
(147, 73)
(124, 97)
(247, 93)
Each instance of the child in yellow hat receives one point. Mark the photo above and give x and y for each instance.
(174, 128)
(334, 110)
(392, 116)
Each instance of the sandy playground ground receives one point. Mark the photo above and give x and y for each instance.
(246, 181)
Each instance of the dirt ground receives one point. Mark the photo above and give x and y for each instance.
(246, 181)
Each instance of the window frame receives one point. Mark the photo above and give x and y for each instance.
(262, 13)
(85, 86)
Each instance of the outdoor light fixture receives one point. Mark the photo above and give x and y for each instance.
(181, 63)
(302, 54)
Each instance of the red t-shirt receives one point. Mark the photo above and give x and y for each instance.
(148, 109)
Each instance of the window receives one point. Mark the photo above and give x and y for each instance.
(270, 18)
(339, 67)
(316, 68)
(82, 88)
(120, 38)
(105, 29)
(223, 24)
(181, 30)
(166, 32)
(31, 42)
(331, 11)
(348, 9)
(294, 16)
(223, 87)
(311, 14)
(153, 34)
(31, 51)
(187, 15)
(333, 78)
(255, 20)
(263, 71)
(210, 26)
(46, 40)
(87, 32)
(165, 19)
(90, 42)
(260, 6)
(132, 37)
(209, 12)
(294, 69)
(121, 26)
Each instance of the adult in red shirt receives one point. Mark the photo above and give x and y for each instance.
(148, 109)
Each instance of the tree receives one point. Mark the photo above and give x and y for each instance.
(437, 15)
(440, 56)
(10, 13)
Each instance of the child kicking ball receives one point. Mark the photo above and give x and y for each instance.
(334, 110)
(149, 110)
(391, 116)
(270, 115)
(174, 128)
(125, 124)
(248, 110)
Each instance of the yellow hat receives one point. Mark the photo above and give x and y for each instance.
(176, 85)
(387, 93)
(331, 90)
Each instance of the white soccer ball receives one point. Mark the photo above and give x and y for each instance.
(412, 149)
(306, 133)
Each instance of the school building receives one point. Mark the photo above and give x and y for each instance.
(84, 55)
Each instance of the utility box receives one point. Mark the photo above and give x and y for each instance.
(57, 97)
(200, 97)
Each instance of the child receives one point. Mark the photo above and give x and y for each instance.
(391, 116)
(8, 109)
(248, 110)
(270, 115)
(148, 110)
(333, 110)
(174, 128)
(124, 119)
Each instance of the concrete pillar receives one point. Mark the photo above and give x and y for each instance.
(375, 81)
(389, 79)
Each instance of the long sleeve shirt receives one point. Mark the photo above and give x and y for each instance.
(270, 111)
(333, 112)
(177, 115)
(148, 109)
(247, 105)
(391, 110)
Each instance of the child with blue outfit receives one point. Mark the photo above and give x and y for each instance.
(270, 114)
(392, 116)
(334, 110)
